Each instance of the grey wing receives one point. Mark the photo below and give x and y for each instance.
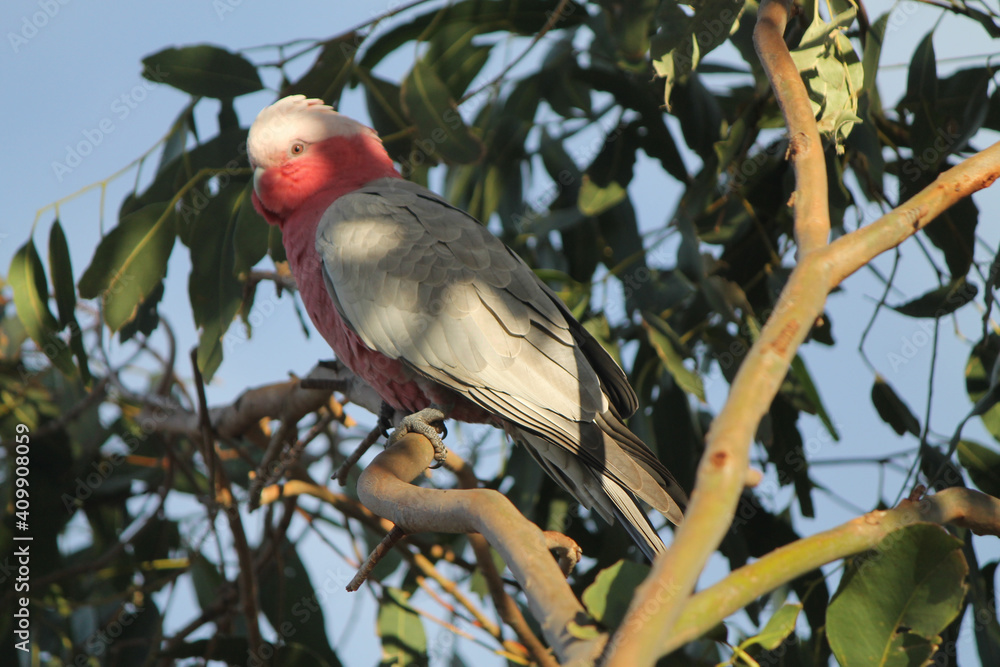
(421, 281)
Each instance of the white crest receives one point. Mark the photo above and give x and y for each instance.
(296, 118)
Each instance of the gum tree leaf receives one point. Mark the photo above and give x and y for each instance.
(404, 641)
(441, 130)
(892, 409)
(129, 263)
(203, 70)
(983, 465)
(940, 301)
(778, 628)
(250, 236)
(895, 600)
(682, 41)
(289, 600)
(31, 298)
(214, 290)
(64, 290)
(331, 70)
(607, 599)
(670, 353)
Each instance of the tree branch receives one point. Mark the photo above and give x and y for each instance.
(385, 489)
(805, 149)
(279, 400)
(505, 605)
(656, 607)
(958, 506)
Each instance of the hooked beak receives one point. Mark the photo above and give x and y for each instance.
(257, 174)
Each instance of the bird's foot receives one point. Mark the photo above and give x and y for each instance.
(429, 423)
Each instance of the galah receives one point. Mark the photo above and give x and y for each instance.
(442, 319)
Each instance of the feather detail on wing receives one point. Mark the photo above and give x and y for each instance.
(421, 281)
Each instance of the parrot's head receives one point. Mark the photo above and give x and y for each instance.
(302, 152)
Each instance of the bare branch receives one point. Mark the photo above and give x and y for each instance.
(385, 489)
(282, 400)
(805, 149)
(218, 484)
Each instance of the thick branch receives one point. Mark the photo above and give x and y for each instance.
(853, 251)
(805, 149)
(657, 605)
(504, 603)
(282, 400)
(385, 489)
(962, 507)
(722, 471)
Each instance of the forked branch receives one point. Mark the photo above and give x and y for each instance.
(656, 609)
(384, 487)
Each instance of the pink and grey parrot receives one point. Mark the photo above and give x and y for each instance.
(442, 319)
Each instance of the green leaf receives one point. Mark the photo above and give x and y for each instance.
(251, 234)
(921, 79)
(62, 275)
(873, 53)
(981, 382)
(441, 130)
(962, 108)
(454, 57)
(630, 24)
(65, 294)
(832, 72)
(147, 316)
(802, 375)
(983, 465)
(214, 290)
(176, 140)
(568, 95)
(778, 628)
(682, 41)
(404, 641)
(954, 232)
(203, 70)
(512, 16)
(31, 298)
(894, 600)
(225, 150)
(940, 301)
(983, 598)
(671, 354)
(330, 72)
(206, 579)
(382, 99)
(594, 199)
(607, 599)
(892, 409)
(289, 601)
(129, 263)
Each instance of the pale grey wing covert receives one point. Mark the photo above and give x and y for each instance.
(421, 281)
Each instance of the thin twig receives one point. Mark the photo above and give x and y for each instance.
(345, 468)
(554, 18)
(218, 480)
(381, 549)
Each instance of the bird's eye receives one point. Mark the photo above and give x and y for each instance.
(298, 149)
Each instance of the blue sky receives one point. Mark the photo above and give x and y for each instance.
(75, 77)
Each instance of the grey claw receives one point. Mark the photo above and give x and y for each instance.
(423, 423)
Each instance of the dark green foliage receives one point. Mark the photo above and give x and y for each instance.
(548, 153)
